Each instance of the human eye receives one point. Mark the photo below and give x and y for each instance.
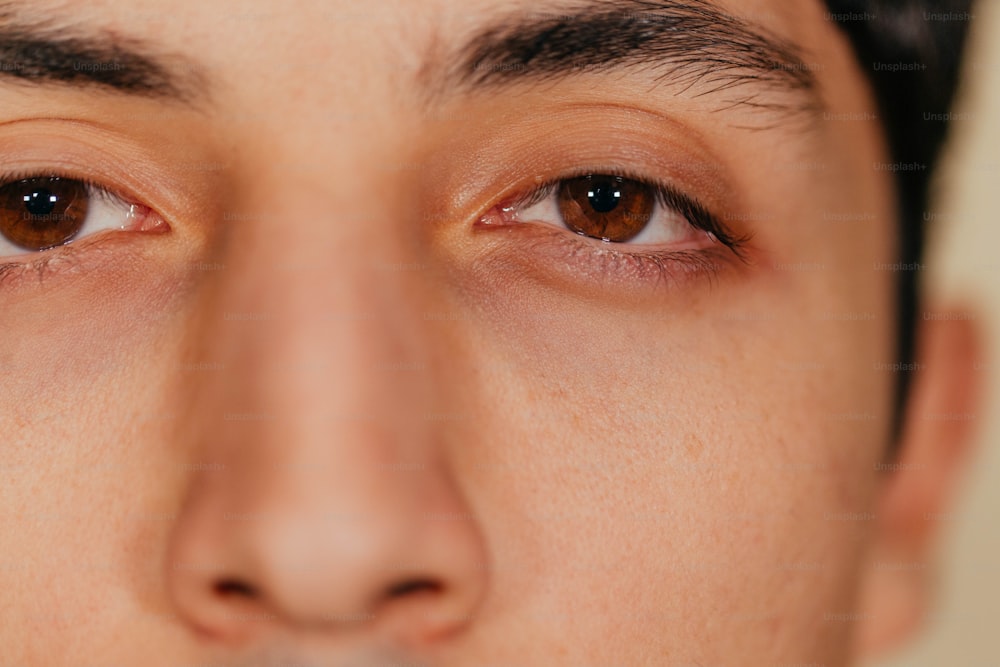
(42, 212)
(622, 223)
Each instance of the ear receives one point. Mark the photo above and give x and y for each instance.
(918, 486)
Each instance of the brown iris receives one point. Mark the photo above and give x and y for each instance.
(606, 207)
(39, 213)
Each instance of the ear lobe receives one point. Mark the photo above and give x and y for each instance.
(919, 485)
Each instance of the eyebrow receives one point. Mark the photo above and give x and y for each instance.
(41, 54)
(691, 43)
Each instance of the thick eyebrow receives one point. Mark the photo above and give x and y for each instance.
(686, 42)
(41, 54)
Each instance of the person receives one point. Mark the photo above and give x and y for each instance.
(473, 333)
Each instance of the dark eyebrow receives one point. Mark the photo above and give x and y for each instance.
(43, 54)
(687, 42)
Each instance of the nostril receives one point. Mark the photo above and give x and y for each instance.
(235, 588)
(414, 586)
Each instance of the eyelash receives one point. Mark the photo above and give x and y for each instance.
(94, 189)
(43, 263)
(626, 261)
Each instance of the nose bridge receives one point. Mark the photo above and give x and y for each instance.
(316, 324)
(317, 297)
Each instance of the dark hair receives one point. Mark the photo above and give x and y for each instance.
(911, 51)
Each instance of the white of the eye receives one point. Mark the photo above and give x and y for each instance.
(664, 227)
(105, 211)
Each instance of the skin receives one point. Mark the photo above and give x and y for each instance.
(324, 420)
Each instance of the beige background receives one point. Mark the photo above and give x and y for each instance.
(965, 261)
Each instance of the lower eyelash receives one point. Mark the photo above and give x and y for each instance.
(608, 264)
(82, 256)
(42, 264)
(662, 267)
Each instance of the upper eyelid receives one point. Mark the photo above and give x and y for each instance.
(93, 186)
(562, 134)
(163, 174)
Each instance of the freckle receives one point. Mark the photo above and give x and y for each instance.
(693, 446)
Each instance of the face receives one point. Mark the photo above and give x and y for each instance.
(446, 332)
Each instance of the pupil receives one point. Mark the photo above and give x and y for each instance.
(40, 202)
(604, 196)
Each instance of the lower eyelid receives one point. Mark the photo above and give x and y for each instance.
(562, 256)
(38, 267)
(83, 256)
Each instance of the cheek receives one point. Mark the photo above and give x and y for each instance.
(86, 342)
(85, 356)
(720, 456)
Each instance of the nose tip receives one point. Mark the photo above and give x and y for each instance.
(404, 574)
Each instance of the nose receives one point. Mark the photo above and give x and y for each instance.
(321, 501)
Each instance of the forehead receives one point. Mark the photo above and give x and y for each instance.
(331, 16)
